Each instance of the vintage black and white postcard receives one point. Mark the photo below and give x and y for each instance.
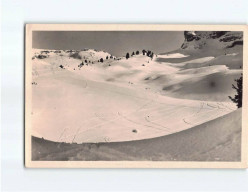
(136, 96)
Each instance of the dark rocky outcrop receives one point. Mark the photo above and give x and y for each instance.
(217, 34)
(211, 40)
(190, 36)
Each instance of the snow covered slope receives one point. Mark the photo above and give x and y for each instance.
(216, 140)
(210, 63)
(226, 48)
(76, 98)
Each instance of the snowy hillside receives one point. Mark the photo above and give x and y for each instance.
(225, 47)
(209, 62)
(216, 140)
(79, 98)
(86, 54)
(216, 40)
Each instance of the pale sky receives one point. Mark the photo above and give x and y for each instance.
(117, 43)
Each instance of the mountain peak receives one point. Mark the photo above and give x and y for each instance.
(205, 39)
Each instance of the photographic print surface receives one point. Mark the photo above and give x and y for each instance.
(135, 96)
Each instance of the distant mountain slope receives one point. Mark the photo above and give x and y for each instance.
(207, 40)
(86, 54)
(219, 44)
(202, 55)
